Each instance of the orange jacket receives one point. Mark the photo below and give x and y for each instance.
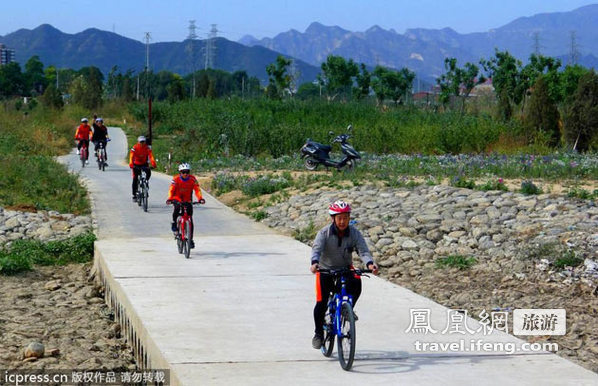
(182, 190)
(83, 132)
(139, 155)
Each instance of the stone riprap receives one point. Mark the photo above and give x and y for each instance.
(42, 225)
(409, 229)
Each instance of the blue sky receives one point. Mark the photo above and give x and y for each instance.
(168, 20)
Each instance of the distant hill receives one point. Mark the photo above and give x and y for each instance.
(423, 50)
(105, 49)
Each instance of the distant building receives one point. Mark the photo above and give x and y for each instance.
(7, 55)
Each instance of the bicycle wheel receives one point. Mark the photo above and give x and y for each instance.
(328, 342)
(179, 240)
(83, 156)
(346, 339)
(187, 241)
(144, 195)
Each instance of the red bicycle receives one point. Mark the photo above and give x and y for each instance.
(83, 153)
(183, 236)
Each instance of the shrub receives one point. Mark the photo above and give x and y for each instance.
(461, 182)
(254, 187)
(306, 234)
(498, 184)
(529, 188)
(455, 261)
(569, 259)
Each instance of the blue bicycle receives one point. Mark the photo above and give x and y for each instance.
(339, 320)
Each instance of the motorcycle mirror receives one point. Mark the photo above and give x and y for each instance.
(350, 127)
(331, 133)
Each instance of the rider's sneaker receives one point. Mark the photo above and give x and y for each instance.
(316, 342)
(105, 163)
(134, 198)
(173, 227)
(192, 244)
(355, 316)
(86, 162)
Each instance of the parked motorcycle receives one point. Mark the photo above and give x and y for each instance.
(315, 154)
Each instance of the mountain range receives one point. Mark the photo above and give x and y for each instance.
(103, 49)
(421, 50)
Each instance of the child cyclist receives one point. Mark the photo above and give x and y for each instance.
(333, 249)
(180, 194)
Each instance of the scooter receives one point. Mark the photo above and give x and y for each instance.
(315, 154)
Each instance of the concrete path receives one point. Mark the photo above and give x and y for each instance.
(239, 311)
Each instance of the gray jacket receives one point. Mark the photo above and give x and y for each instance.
(332, 252)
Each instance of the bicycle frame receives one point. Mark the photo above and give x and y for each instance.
(83, 153)
(335, 305)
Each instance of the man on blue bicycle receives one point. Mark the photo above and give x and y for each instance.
(333, 249)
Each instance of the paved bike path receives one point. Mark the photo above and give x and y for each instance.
(239, 311)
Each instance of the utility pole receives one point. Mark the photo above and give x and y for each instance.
(537, 43)
(210, 50)
(149, 97)
(191, 49)
(574, 54)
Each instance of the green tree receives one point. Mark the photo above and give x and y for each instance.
(86, 89)
(458, 82)
(504, 69)
(34, 77)
(176, 89)
(392, 84)
(337, 76)
(569, 80)
(52, 97)
(581, 119)
(364, 83)
(278, 76)
(11, 80)
(542, 114)
(308, 90)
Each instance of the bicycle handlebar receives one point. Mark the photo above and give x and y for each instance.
(341, 271)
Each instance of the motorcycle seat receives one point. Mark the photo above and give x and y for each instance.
(320, 145)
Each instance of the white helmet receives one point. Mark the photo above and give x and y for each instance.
(184, 166)
(83, 119)
(141, 138)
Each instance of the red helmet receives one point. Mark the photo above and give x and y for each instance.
(339, 207)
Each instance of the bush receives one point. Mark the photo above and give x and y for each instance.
(306, 234)
(455, 261)
(498, 184)
(529, 188)
(22, 254)
(461, 182)
(569, 259)
(254, 187)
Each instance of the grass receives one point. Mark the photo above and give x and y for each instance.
(455, 261)
(23, 254)
(306, 234)
(29, 176)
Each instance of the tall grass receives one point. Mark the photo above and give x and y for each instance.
(29, 175)
(205, 128)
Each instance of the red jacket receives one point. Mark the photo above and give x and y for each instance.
(83, 132)
(140, 154)
(182, 190)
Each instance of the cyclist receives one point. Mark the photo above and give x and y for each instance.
(100, 135)
(333, 249)
(139, 157)
(180, 194)
(82, 136)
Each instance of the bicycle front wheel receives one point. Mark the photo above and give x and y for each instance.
(179, 240)
(328, 343)
(346, 338)
(187, 241)
(144, 195)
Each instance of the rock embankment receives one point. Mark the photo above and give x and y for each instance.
(42, 225)
(522, 244)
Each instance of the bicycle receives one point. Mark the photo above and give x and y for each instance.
(142, 190)
(339, 320)
(101, 155)
(83, 153)
(182, 236)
